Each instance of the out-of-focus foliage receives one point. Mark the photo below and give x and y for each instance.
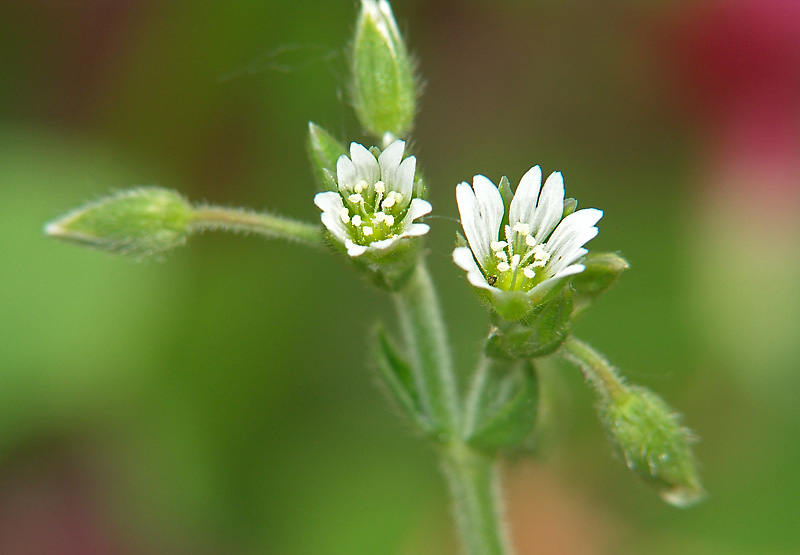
(216, 403)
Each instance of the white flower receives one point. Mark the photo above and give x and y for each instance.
(535, 250)
(375, 206)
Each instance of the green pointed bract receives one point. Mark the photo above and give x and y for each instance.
(651, 440)
(506, 406)
(324, 150)
(383, 88)
(601, 271)
(138, 222)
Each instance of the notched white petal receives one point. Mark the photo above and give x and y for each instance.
(345, 173)
(523, 205)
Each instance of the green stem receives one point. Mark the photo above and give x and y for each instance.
(474, 483)
(426, 339)
(596, 369)
(246, 221)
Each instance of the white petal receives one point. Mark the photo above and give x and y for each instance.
(550, 207)
(391, 156)
(463, 258)
(403, 181)
(366, 165)
(558, 264)
(490, 203)
(576, 241)
(418, 209)
(572, 224)
(329, 201)
(523, 205)
(335, 226)
(353, 249)
(569, 271)
(415, 230)
(383, 244)
(477, 235)
(345, 173)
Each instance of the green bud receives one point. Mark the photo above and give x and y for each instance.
(539, 334)
(602, 271)
(648, 435)
(324, 151)
(384, 90)
(138, 222)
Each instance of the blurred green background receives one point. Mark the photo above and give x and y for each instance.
(222, 401)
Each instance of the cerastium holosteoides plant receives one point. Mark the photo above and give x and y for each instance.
(523, 251)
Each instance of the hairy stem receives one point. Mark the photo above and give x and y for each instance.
(596, 369)
(426, 341)
(246, 221)
(474, 481)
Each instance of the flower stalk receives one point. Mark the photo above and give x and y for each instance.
(238, 220)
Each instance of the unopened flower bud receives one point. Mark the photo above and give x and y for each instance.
(138, 222)
(384, 89)
(651, 440)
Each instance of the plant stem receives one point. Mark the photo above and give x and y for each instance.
(596, 369)
(246, 221)
(426, 340)
(474, 483)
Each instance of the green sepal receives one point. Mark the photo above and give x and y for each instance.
(505, 406)
(570, 205)
(384, 87)
(399, 381)
(539, 334)
(388, 270)
(139, 222)
(648, 435)
(601, 271)
(323, 152)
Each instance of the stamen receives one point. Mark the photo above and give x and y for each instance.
(357, 220)
(502, 255)
(389, 220)
(390, 200)
(380, 187)
(379, 217)
(503, 267)
(530, 240)
(360, 186)
(367, 230)
(344, 214)
(498, 245)
(515, 260)
(528, 273)
(356, 198)
(521, 228)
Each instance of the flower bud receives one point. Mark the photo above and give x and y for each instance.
(601, 271)
(138, 222)
(324, 151)
(384, 89)
(648, 435)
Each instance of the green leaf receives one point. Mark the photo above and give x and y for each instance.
(505, 401)
(399, 381)
(539, 334)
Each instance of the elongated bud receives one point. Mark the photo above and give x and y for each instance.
(384, 89)
(324, 151)
(648, 435)
(601, 271)
(138, 222)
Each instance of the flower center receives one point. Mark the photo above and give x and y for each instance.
(370, 213)
(518, 261)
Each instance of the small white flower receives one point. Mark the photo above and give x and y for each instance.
(379, 191)
(535, 250)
